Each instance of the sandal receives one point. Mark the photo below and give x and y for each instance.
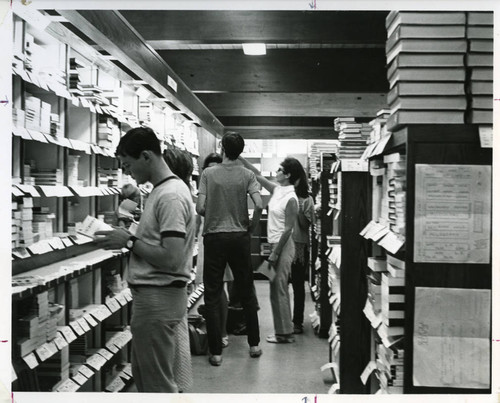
(274, 338)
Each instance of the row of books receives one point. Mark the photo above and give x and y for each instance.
(440, 67)
(353, 137)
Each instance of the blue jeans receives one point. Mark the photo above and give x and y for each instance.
(220, 249)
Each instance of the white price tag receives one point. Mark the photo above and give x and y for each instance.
(77, 328)
(90, 320)
(30, 360)
(84, 324)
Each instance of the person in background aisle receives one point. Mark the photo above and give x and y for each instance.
(160, 263)
(305, 218)
(222, 200)
(282, 215)
(181, 164)
(211, 160)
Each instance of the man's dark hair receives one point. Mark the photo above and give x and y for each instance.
(233, 145)
(180, 162)
(138, 140)
(212, 157)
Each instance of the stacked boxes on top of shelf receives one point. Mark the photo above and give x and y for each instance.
(33, 328)
(316, 151)
(109, 177)
(425, 54)
(22, 216)
(353, 137)
(42, 222)
(379, 125)
(479, 62)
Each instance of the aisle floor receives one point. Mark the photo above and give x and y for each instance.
(282, 368)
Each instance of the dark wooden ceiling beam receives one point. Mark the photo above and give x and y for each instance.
(296, 104)
(293, 133)
(111, 31)
(257, 25)
(281, 70)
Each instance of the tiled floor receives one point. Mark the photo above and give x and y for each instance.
(283, 368)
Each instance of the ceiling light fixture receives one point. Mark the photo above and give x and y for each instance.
(254, 49)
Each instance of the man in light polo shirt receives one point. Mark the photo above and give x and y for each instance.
(160, 263)
(222, 200)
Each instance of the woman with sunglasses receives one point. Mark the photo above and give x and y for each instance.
(282, 214)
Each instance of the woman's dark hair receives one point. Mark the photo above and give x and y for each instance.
(180, 162)
(212, 157)
(233, 145)
(137, 140)
(298, 176)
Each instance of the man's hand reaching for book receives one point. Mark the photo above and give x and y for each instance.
(115, 239)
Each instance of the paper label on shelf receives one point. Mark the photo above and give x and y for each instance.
(451, 337)
(43, 352)
(452, 213)
(80, 379)
(60, 342)
(90, 320)
(85, 103)
(67, 242)
(334, 388)
(392, 243)
(91, 107)
(77, 328)
(121, 299)
(68, 334)
(31, 360)
(372, 365)
(24, 75)
(116, 385)
(486, 137)
(354, 165)
(83, 323)
(75, 101)
(16, 191)
(111, 347)
(86, 371)
(105, 353)
(68, 386)
(38, 136)
(40, 248)
(29, 189)
(96, 361)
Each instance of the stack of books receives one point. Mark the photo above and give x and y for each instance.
(426, 72)
(93, 94)
(390, 368)
(18, 117)
(26, 236)
(479, 61)
(108, 177)
(54, 370)
(145, 112)
(32, 111)
(55, 125)
(353, 137)
(392, 306)
(377, 266)
(396, 192)
(48, 177)
(378, 125)
(43, 222)
(107, 129)
(30, 334)
(75, 86)
(15, 225)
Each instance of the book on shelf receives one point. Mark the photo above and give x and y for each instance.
(427, 60)
(426, 46)
(377, 264)
(481, 45)
(481, 74)
(397, 18)
(481, 87)
(477, 116)
(429, 103)
(405, 117)
(425, 32)
(479, 32)
(419, 89)
(479, 59)
(482, 102)
(479, 18)
(395, 271)
(425, 74)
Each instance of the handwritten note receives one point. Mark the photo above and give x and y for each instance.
(451, 346)
(452, 213)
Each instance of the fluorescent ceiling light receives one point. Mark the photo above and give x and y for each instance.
(254, 49)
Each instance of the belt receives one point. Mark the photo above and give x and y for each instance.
(174, 284)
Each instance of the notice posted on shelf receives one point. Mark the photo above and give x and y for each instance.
(451, 338)
(452, 213)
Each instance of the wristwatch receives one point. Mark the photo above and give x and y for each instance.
(130, 242)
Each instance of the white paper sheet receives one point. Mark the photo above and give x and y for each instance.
(451, 338)
(452, 213)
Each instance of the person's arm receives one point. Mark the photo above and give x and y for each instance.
(200, 204)
(167, 256)
(257, 212)
(269, 185)
(291, 212)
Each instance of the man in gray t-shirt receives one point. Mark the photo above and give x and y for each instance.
(222, 200)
